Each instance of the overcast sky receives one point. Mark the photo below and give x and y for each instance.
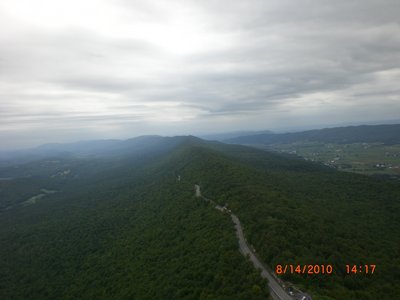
(84, 69)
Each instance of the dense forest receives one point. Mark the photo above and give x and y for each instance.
(125, 227)
(297, 212)
(136, 233)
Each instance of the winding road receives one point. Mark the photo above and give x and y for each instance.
(276, 290)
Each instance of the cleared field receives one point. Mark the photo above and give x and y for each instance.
(365, 158)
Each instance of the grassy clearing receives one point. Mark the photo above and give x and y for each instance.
(34, 199)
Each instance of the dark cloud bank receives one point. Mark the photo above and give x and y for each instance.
(126, 68)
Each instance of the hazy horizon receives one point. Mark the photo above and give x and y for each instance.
(204, 135)
(73, 70)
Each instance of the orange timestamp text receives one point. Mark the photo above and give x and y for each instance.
(324, 269)
(304, 269)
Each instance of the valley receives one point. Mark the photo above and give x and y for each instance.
(199, 150)
(363, 158)
(369, 150)
(128, 225)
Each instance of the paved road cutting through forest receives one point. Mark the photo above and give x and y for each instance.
(276, 290)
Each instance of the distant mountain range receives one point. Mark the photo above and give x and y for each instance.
(387, 134)
(142, 145)
(231, 135)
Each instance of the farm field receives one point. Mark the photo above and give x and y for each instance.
(364, 158)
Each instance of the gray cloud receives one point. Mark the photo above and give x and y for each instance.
(127, 68)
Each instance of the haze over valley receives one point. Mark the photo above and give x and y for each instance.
(199, 150)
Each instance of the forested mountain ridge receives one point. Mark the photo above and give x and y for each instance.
(387, 134)
(297, 212)
(129, 228)
(77, 166)
(126, 232)
(95, 148)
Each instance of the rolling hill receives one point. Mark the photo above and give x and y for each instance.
(126, 224)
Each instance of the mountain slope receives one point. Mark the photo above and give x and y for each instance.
(132, 229)
(296, 212)
(388, 134)
(129, 232)
(142, 145)
(231, 135)
(75, 166)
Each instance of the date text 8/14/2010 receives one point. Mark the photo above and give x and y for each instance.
(324, 269)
